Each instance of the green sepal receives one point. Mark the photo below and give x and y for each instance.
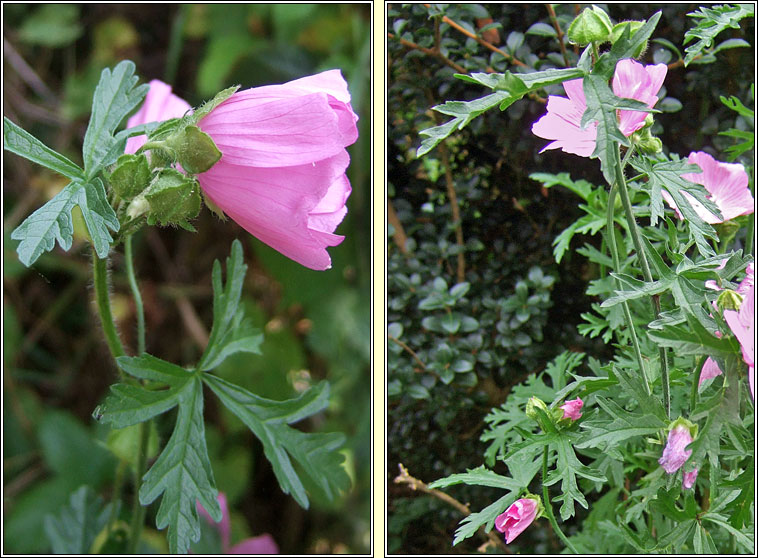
(195, 151)
(206, 108)
(131, 176)
(173, 197)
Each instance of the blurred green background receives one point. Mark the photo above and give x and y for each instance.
(316, 324)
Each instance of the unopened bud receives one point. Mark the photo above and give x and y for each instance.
(729, 300)
(195, 151)
(174, 198)
(130, 176)
(591, 26)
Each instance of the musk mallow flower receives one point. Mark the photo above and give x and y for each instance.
(572, 409)
(281, 175)
(726, 185)
(562, 123)
(519, 515)
(262, 544)
(675, 453)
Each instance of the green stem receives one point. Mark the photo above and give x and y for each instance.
(116, 496)
(139, 308)
(100, 278)
(621, 182)
(549, 506)
(749, 239)
(617, 267)
(138, 511)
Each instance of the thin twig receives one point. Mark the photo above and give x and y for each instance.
(461, 271)
(415, 484)
(408, 350)
(27, 74)
(558, 30)
(398, 235)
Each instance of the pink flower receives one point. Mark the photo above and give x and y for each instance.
(726, 184)
(516, 518)
(160, 104)
(281, 175)
(572, 409)
(742, 324)
(675, 454)
(688, 479)
(262, 544)
(562, 122)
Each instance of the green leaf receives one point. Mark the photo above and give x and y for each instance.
(115, 97)
(608, 434)
(580, 187)
(231, 331)
(626, 47)
(712, 22)
(667, 175)
(566, 470)
(269, 420)
(480, 476)
(508, 88)
(743, 539)
(52, 222)
(182, 472)
(19, 141)
(75, 527)
(702, 542)
(52, 25)
(470, 524)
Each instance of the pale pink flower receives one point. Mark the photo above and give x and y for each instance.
(726, 185)
(516, 518)
(262, 544)
(675, 454)
(572, 409)
(281, 175)
(689, 478)
(562, 122)
(742, 324)
(160, 104)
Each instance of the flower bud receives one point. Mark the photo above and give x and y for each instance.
(535, 402)
(729, 300)
(572, 410)
(681, 433)
(173, 197)
(646, 142)
(591, 26)
(633, 26)
(195, 151)
(519, 515)
(688, 479)
(130, 176)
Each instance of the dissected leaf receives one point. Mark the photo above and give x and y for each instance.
(19, 141)
(52, 222)
(231, 332)
(269, 420)
(713, 21)
(75, 527)
(116, 95)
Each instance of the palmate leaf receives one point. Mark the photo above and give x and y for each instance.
(480, 476)
(508, 88)
(712, 22)
(74, 528)
(231, 332)
(53, 222)
(269, 420)
(182, 472)
(116, 95)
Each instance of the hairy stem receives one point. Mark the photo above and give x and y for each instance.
(621, 182)
(139, 308)
(100, 279)
(549, 506)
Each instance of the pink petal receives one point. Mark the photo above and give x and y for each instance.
(675, 454)
(224, 526)
(572, 409)
(159, 104)
(262, 544)
(710, 370)
(688, 479)
(516, 518)
(294, 209)
(632, 80)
